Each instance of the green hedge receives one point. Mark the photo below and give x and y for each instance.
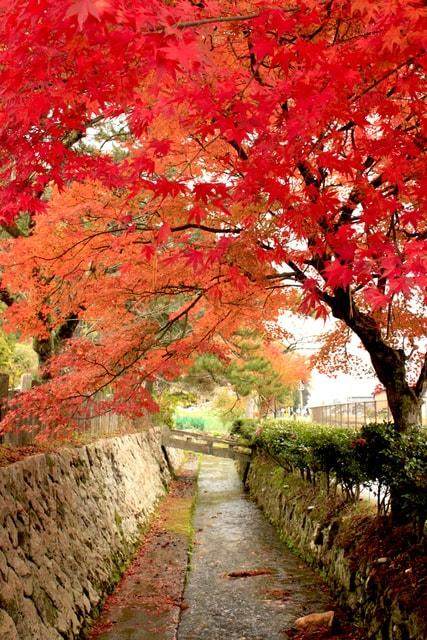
(375, 456)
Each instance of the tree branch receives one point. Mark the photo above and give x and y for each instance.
(202, 21)
(422, 379)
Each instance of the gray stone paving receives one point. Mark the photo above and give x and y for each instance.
(233, 535)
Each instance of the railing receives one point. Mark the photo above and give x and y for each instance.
(205, 443)
(356, 414)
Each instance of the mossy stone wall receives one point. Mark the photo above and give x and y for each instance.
(69, 521)
(372, 571)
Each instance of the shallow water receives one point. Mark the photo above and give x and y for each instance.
(232, 535)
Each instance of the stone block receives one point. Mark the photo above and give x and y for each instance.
(26, 381)
(7, 627)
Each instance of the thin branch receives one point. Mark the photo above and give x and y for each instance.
(202, 21)
(384, 77)
(422, 379)
(203, 227)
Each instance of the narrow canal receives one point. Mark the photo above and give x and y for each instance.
(233, 537)
(242, 582)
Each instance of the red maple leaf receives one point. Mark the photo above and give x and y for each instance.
(375, 298)
(164, 187)
(197, 214)
(85, 8)
(163, 234)
(195, 258)
(338, 274)
(161, 147)
(148, 251)
(184, 51)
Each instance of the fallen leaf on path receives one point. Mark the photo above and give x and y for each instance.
(278, 594)
(249, 573)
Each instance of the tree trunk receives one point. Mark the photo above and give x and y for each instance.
(390, 366)
(46, 347)
(43, 348)
(405, 407)
(389, 363)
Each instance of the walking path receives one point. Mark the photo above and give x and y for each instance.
(232, 536)
(243, 583)
(146, 604)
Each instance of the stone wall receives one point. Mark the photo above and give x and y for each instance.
(376, 574)
(68, 523)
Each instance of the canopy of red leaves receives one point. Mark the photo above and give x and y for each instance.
(263, 145)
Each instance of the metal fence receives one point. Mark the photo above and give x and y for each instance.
(356, 414)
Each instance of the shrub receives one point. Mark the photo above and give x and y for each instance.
(396, 462)
(377, 456)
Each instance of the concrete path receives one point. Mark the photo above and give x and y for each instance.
(231, 536)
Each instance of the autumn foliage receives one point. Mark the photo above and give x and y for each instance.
(190, 167)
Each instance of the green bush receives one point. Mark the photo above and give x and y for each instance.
(398, 462)
(168, 402)
(376, 456)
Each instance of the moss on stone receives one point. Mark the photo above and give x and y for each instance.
(179, 519)
(377, 571)
(49, 461)
(118, 519)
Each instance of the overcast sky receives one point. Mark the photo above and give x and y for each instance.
(328, 389)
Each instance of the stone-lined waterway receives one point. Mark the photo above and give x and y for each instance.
(230, 536)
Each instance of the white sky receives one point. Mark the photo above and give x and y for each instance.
(327, 389)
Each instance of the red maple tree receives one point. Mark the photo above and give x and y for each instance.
(253, 146)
